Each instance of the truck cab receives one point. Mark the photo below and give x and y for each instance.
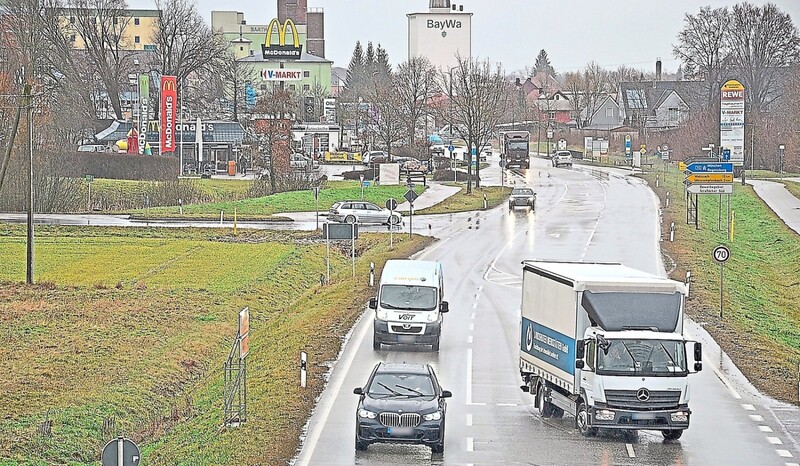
(410, 304)
(516, 149)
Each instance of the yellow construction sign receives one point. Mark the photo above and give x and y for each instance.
(710, 178)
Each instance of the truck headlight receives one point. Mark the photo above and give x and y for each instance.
(382, 315)
(680, 416)
(434, 416)
(604, 415)
(366, 414)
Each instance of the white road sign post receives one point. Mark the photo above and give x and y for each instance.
(721, 255)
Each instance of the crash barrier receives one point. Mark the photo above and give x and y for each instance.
(342, 157)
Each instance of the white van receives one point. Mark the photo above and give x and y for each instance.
(410, 304)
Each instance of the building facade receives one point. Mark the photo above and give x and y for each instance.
(442, 34)
(137, 28)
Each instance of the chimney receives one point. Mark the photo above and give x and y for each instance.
(658, 69)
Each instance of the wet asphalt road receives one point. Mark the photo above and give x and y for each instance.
(581, 215)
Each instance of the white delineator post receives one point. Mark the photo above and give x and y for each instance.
(303, 368)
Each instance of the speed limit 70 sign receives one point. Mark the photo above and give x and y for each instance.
(721, 253)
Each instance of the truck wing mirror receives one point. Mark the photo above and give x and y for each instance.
(580, 349)
(444, 307)
(698, 366)
(579, 364)
(373, 303)
(698, 351)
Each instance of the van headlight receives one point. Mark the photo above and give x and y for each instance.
(382, 315)
(431, 317)
(434, 416)
(680, 416)
(366, 414)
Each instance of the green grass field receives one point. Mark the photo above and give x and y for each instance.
(760, 326)
(463, 202)
(294, 201)
(131, 328)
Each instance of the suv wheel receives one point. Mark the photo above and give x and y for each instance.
(361, 446)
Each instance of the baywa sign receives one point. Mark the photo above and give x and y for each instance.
(444, 24)
(281, 50)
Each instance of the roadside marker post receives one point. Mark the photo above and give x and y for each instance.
(371, 274)
(303, 369)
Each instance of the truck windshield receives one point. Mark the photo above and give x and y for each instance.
(408, 297)
(642, 357)
(518, 145)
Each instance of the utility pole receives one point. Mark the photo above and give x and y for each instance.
(29, 200)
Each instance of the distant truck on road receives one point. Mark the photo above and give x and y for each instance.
(515, 149)
(604, 343)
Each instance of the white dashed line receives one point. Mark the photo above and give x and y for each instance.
(506, 404)
(470, 444)
(631, 453)
(469, 420)
(472, 316)
(469, 376)
(765, 428)
(469, 339)
(757, 417)
(748, 407)
(774, 441)
(474, 305)
(471, 326)
(784, 453)
(792, 464)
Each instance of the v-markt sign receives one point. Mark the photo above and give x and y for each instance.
(732, 120)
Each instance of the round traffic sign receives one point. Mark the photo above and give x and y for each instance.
(391, 204)
(721, 253)
(128, 449)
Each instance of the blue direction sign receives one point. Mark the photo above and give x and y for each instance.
(699, 167)
(726, 154)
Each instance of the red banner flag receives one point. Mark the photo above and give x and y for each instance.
(169, 103)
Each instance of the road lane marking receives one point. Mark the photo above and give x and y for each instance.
(470, 444)
(469, 376)
(748, 407)
(429, 250)
(506, 404)
(785, 453)
(765, 428)
(757, 417)
(472, 316)
(631, 453)
(311, 441)
(469, 340)
(471, 326)
(774, 441)
(474, 305)
(723, 379)
(469, 420)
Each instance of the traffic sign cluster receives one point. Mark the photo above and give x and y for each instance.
(708, 177)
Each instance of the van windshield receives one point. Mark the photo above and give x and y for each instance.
(409, 297)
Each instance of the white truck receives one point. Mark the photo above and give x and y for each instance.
(410, 304)
(604, 343)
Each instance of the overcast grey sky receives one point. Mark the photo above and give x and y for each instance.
(573, 32)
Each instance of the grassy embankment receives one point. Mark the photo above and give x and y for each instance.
(131, 327)
(463, 202)
(760, 325)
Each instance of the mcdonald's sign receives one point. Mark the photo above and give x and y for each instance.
(281, 50)
(169, 103)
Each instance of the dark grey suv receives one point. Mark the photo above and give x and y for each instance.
(401, 403)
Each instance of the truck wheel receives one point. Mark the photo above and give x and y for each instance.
(672, 434)
(582, 421)
(545, 408)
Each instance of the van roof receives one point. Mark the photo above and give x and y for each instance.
(410, 271)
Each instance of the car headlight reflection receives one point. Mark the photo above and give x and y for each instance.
(434, 416)
(366, 414)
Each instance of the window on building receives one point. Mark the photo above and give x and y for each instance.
(609, 112)
(306, 87)
(241, 49)
(292, 87)
(306, 74)
(72, 38)
(135, 21)
(673, 113)
(136, 39)
(551, 115)
(636, 98)
(263, 87)
(150, 47)
(115, 20)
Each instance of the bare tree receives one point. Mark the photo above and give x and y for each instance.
(416, 85)
(480, 99)
(764, 42)
(596, 86)
(386, 114)
(274, 115)
(575, 85)
(621, 74)
(229, 85)
(702, 46)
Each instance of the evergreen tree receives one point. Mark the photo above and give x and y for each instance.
(369, 60)
(382, 65)
(543, 64)
(356, 71)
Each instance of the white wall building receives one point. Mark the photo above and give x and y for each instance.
(440, 34)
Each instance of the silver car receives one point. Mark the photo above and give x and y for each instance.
(362, 212)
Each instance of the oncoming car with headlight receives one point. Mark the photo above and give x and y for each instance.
(410, 304)
(401, 403)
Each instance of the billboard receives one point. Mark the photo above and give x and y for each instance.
(731, 121)
(144, 109)
(169, 102)
(292, 51)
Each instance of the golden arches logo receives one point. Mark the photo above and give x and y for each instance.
(281, 50)
(168, 85)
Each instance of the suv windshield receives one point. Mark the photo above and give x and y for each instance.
(388, 385)
(641, 357)
(408, 297)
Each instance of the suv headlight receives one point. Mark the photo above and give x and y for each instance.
(434, 416)
(366, 414)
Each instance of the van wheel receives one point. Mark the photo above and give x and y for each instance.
(435, 345)
(582, 421)
(672, 434)
(376, 344)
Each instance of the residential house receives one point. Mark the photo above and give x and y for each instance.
(659, 105)
(606, 116)
(555, 108)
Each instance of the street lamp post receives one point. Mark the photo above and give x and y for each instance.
(781, 149)
(361, 178)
